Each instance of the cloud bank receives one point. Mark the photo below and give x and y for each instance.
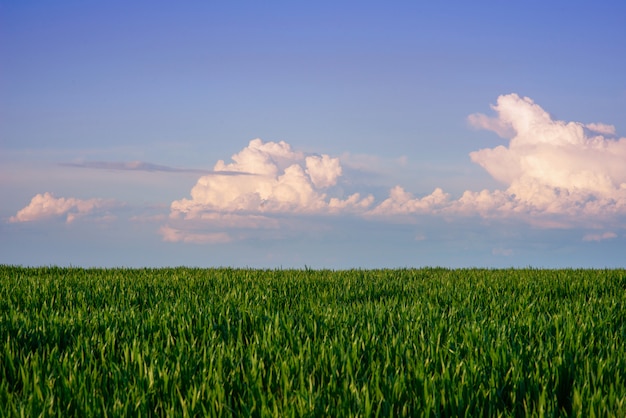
(555, 174)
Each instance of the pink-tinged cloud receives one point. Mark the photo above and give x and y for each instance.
(401, 202)
(555, 173)
(552, 166)
(46, 206)
(480, 121)
(323, 171)
(354, 203)
(277, 180)
(275, 187)
(601, 128)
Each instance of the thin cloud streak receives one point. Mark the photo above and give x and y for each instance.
(145, 166)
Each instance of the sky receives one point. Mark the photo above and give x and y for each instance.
(322, 134)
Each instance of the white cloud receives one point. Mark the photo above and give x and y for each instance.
(551, 166)
(274, 180)
(277, 180)
(261, 158)
(323, 170)
(46, 206)
(555, 173)
(486, 203)
(401, 202)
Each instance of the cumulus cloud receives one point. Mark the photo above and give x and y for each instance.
(277, 180)
(402, 202)
(550, 166)
(46, 206)
(323, 171)
(555, 174)
(280, 180)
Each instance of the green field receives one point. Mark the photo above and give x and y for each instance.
(244, 342)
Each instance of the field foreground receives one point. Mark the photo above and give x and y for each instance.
(239, 342)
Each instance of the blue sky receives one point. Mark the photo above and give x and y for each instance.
(326, 134)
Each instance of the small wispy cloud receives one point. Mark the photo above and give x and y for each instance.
(47, 206)
(171, 234)
(600, 237)
(601, 128)
(148, 218)
(500, 127)
(506, 252)
(420, 237)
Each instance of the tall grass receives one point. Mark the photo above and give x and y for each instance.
(238, 342)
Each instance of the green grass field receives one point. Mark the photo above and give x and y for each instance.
(238, 342)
